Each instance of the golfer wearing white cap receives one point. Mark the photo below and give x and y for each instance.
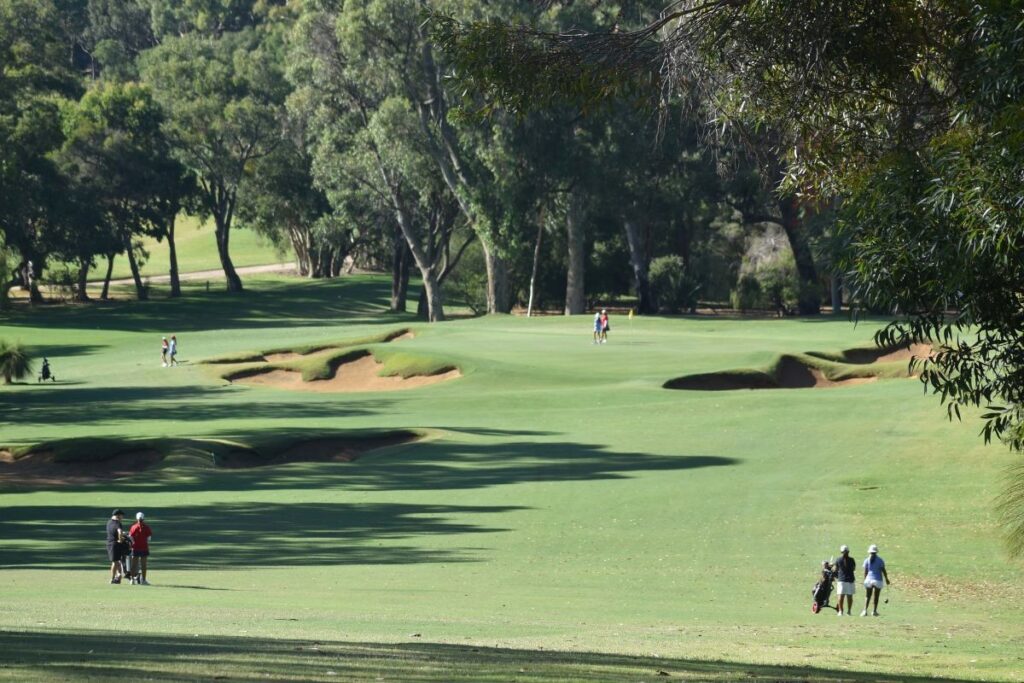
(874, 573)
(846, 576)
(140, 533)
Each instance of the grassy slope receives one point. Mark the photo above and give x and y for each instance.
(572, 505)
(197, 251)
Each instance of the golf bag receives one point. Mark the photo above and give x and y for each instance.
(124, 551)
(45, 374)
(822, 590)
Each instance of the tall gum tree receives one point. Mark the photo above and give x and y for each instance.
(224, 96)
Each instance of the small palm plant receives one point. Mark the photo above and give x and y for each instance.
(15, 362)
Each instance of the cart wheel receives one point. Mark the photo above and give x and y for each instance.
(815, 607)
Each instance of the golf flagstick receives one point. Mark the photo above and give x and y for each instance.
(630, 316)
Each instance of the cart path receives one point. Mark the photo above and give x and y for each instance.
(207, 274)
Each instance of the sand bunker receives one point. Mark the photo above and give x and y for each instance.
(358, 375)
(315, 450)
(42, 468)
(869, 356)
(791, 373)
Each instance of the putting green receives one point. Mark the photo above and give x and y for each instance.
(567, 518)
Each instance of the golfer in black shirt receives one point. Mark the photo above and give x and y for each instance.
(115, 536)
(846, 569)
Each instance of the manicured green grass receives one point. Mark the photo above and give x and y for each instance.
(196, 251)
(570, 519)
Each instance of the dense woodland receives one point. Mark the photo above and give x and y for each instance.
(336, 129)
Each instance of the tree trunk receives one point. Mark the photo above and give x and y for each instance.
(422, 308)
(431, 287)
(536, 267)
(498, 297)
(175, 279)
(837, 294)
(432, 291)
(301, 247)
(222, 231)
(809, 297)
(32, 273)
(140, 289)
(575, 291)
(106, 279)
(81, 292)
(638, 259)
(400, 258)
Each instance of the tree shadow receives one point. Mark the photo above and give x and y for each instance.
(110, 655)
(426, 465)
(268, 304)
(100, 405)
(244, 535)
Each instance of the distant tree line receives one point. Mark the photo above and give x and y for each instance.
(336, 129)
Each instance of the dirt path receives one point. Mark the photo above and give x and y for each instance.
(216, 274)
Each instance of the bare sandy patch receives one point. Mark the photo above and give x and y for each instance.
(281, 357)
(869, 356)
(794, 374)
(41, 468)
(919, 351)
(408, 334)
(359, 375)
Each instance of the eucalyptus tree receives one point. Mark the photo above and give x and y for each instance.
(115, 150)
(35, 72)
(224, 96)
(369, 144)
(118, 32)
(387, 40)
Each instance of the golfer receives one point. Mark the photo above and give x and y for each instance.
(115, 537)
(605, 326)
(597, 327)
(140, 534)
(846, 577)
(172, 351)
(163, 351)
(875, 578)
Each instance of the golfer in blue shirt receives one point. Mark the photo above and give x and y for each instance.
(875, 578)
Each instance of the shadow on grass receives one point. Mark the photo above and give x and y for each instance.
(268, 303)
(99, 405)
(94, 655)
(420, 466)
(244, 535)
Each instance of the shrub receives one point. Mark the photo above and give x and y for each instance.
(467, 283)
(747, 294)
(15, 362)
(7, 267)
(673, 289)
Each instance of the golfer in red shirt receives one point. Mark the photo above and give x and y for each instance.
(140, 534)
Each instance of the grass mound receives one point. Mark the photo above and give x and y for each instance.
(76, 461)
(290, 353)
(84, 461)
(356, 370)
(869, 355)
(339, 448)
(800, 371)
